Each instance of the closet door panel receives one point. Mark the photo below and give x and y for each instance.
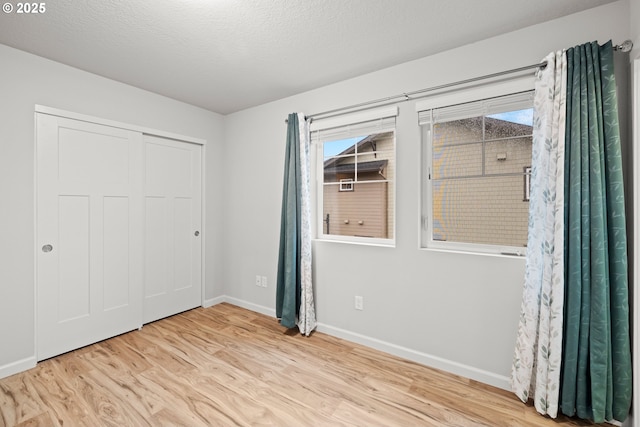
(116, 252)
(73, 258)
(89, 233)
(172, 230)
(156, 245)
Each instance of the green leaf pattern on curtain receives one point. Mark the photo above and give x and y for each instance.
(536, 366)
(596, 377)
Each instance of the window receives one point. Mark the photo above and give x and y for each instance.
(346, 184)
(356, 176)
(476, 157)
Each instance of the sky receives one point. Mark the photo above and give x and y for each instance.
(331, 148)
(524, 117)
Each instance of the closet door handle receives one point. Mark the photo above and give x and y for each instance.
(197, 233)
(47, 248)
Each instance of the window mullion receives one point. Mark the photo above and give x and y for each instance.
(355, 165)
(484, 144)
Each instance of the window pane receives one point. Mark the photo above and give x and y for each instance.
(507, 155)
(457, 131)
(338, 168)
(457, 161)
(478, 173)
(362, 212)
(340, 147)
(523, 117)
(358, 190)
(372, 167)
(481, 210)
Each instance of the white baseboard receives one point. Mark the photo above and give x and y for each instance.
(251, 306)
(214, 301)
(17, 367)
(240, 303)
(450, 366)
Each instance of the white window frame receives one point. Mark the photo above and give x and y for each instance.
(346, 184)
(464, 95)
(385, 117)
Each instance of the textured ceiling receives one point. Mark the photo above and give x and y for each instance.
(227, 55)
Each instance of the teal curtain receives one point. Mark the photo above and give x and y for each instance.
(596, 371)
(288, 287)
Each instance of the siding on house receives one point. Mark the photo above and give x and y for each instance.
(469, 206)
(360, 212)
(370, 202)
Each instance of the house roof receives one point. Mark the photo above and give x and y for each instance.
(370, 139)
(373, 166)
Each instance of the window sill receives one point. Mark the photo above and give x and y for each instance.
(384, 243)
(505, 254)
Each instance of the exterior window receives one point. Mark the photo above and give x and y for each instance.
(346, 184)
(356, 194)
(476, 157)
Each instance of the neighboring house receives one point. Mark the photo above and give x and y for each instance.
(479, 184)
(358, 185)
(480, 181)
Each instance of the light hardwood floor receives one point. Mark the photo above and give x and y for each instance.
(228, 366)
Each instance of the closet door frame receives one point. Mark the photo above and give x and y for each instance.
(144, 131)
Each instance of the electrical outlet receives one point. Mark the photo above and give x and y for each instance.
(264, 281)
(258, 281)
(359, 302)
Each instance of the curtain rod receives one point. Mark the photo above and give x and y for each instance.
(625, 46)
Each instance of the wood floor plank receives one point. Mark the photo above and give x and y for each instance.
(206, 409)
(44, 419)
(21, 401)
(225, 366)
(59, 397)
(275, 387)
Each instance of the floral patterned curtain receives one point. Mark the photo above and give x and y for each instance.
(536, 365)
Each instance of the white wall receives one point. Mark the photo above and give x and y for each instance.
(451, 310)
(26, 80)
(634, 26)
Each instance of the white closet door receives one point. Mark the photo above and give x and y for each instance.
(89, 233)
(173, 218)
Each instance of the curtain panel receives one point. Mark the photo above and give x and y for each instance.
(537, 361)
(573, 346)
(294, 288)
(596, 381)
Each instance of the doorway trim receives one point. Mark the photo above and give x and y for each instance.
(106, 122)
